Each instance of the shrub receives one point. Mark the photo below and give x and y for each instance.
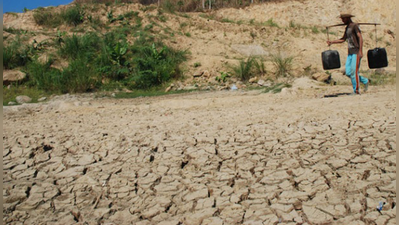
(43, 76)
(80, 46)
(16, 56)
(154, 64)
(79, 77)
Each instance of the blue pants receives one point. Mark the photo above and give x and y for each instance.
(352, 71)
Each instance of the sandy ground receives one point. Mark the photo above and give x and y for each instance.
(227, 157)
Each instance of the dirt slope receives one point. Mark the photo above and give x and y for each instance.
(213, 37)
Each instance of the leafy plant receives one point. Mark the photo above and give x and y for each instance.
(223, 77)
(118, 52)
(59, 38)
(154, 65)
(110, 16)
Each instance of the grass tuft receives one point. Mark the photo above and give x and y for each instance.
(248, 68)
(283, 65)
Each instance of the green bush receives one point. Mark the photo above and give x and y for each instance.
(44, 77)
(112, 61)
(154, 64)
(80, 46)
(79, 77)
(16, 56)
(98, 60)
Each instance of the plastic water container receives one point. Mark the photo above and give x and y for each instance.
(330, 59)
(377, 58)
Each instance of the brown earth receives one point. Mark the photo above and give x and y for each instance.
(308, 155)
(226, 157)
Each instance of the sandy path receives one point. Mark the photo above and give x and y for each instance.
(203, 158)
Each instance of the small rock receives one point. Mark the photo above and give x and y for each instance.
(10, 76)
(23, 99)
(169, 88)
(298, 205)
(86, 160)
(12, 103)
(253, 80)
(42, 99)
(322, 77)
(206, 73)
(198, 73)
(190, 88)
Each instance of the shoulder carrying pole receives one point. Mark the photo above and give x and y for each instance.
(328, 39)
(376, 39)
(341, 24)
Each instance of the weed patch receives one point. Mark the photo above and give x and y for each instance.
(380, 78)
(282, 65)
(10, 93)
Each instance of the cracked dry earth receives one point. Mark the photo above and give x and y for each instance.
(225, 157)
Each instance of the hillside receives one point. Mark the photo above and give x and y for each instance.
(217, 39)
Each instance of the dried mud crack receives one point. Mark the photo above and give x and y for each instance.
(202, 158)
